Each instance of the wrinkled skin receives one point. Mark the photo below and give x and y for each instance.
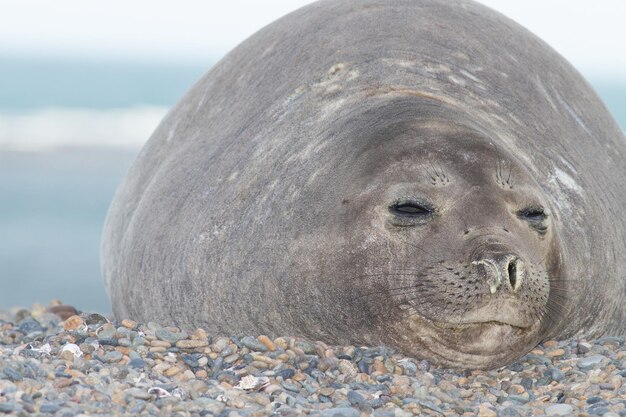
(423, 174)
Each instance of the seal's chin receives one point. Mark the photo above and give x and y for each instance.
(472, 345)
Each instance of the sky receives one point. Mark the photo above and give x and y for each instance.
(589, 33)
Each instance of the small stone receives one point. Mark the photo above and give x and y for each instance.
(594, 400)
(113, 356)
(556, 352)
(29, 326)
(172, 371)
(137, 363)
(49, 408)
(95, 319)
(355, 398)
(272, 388)
(73, 323)
(160, 343)
(191, 344)
(583, 348)
(107, 332)
(267, 342)
(7, 408)
(527, 383)
(589, 361)
(63, 311)
(518, 398)
(554, 374)
(253, 344)
(340, 411)
(559, 410)
(307, 347)
(286, 373)
(516, 389)
(190, 360)
(231, 358)
(290, 386)
(220, 344)
(12, 375)
(139, 393)
(129, 324)
(347, 368)
(171, 337)
(69, 351)
(486, 411)
(252, 382)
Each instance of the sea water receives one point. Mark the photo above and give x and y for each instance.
(69, 130)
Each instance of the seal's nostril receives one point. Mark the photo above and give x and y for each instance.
(512, 270)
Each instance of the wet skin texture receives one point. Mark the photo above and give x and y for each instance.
(423, 174)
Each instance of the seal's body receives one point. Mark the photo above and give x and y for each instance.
(424, 174)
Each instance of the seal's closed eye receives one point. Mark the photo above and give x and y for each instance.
(533, 214)
(411, 212)
(410, 208)
(536, 217)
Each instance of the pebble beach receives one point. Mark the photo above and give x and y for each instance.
(57, 361)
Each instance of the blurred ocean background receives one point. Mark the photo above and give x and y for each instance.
(70, 126)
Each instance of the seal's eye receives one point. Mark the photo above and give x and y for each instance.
(409, 208)
(410, 212)
(536, 217)
(533, 214)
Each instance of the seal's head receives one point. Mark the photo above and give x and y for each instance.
(452, 252)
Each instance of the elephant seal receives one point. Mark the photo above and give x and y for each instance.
(424, 174)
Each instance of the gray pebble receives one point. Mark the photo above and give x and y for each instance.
(107, 334)
(589, 361)
(29, 326)
(220, 344)
(142, 394)
(510, 412)
(384, 412)
(598, 410)
(555, 374)
(355, 398)
(559, 410)
(124, 342)
(517, 398)
(253, 344)
(307, 347)
(12, 375)
(286, 373)
(582, 348)
(290, 386)
(137, 363)
(191, 360)
(113, 356)
(7, 407)
(171, 337)
(341, 412)
(50, 408)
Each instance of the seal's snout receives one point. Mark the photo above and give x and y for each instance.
(501, 270)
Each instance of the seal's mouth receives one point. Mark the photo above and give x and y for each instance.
(469, 343)
(476, 324)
